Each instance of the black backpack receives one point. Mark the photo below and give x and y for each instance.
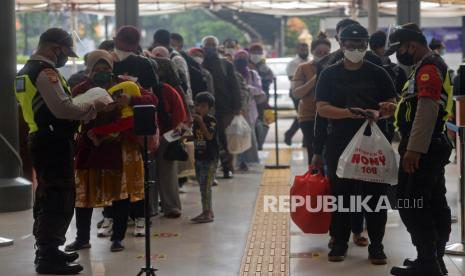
(198, 83)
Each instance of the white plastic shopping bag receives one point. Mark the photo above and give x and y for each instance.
(238, 135)
(369, 158)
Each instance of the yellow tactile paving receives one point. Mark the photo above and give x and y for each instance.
(284, 156)
(267, 248)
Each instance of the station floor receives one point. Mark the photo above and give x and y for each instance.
(226, 246)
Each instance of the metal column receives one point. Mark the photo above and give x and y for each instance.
(127, 12)
(459, 248)
(408, 11)
(373, 15)
(15, 192)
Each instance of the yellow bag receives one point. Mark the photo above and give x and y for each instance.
(268, 116)
(128, 87)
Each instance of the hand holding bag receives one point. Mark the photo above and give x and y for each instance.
(369, 158)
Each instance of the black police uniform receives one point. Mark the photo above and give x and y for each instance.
(51, 149)
(430, 224)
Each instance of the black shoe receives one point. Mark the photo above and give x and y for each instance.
(337, 254)
(116, 246)
(58, 268)
(429, 268)
(442, 265)
(377, 256)
(287, 139)
(228, 175)
(67, 257)
(172, 215)
(77, 245)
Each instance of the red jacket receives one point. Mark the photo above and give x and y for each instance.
(108, 155)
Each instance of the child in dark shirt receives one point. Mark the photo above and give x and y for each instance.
(206, 152)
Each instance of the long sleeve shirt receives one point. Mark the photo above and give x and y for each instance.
(57, 100)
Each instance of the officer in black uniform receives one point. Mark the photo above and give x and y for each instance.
(52, 117)
(424, 150)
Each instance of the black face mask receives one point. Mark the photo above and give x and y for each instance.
(61, 59)
(303, 55)
(405, 58)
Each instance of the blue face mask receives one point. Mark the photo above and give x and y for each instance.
(241, 63)
(210, 52)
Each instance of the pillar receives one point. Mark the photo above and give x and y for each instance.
(408, 11)
(373, 16)
(127, 12)
(15, 192)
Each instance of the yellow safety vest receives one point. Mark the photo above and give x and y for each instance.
(27, 94)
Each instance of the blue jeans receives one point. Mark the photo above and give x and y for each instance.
(205, 172)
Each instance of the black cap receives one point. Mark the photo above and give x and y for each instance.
(405, 33)
(60, 37)
(163, 37)
(378, 40)
(354, 32)
(436, 44)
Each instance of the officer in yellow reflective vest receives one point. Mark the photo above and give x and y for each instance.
(421, 116)
(52, 118)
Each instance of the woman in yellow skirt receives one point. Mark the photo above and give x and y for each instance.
(109, 165)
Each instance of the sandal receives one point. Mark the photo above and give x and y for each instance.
(360, 240)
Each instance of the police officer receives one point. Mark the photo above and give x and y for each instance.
(47, 108)
(424, 150)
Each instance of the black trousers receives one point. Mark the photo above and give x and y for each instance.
(223, 121)
(52, 158)
(342, 222)
(308, 130)
(136, 210)
(295, 124)
(429, 224)
(120, 214)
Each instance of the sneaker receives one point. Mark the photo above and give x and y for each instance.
(337, 254)
(99, 224)
(116, 246)
(77, 245)
(360, 240)
(215, 183)
(228, 175)
(131, 222)
(107, 228)
(139, 229)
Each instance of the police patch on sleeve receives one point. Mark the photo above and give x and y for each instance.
(20, 85)
(425, 77)
(52, 75)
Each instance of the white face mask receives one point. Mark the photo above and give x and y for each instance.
(355, 56)
(199, 60)
(230, 51)
(317, 59)
(256, 58)
(122, 55)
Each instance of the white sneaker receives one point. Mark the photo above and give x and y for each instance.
(107, 228)
(139, 229)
